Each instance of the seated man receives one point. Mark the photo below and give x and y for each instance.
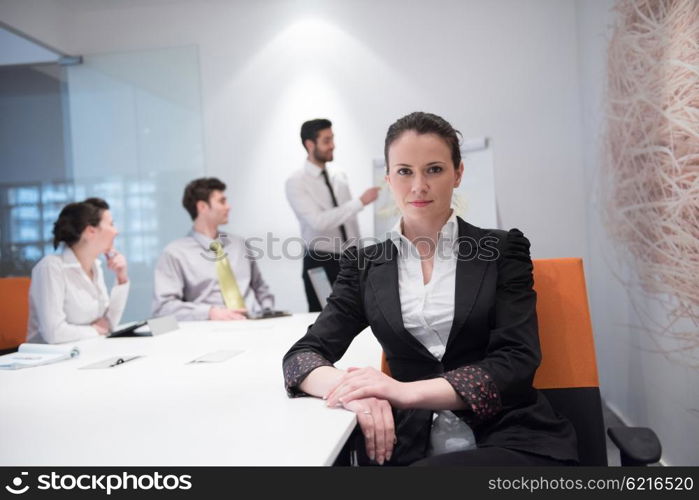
(208, 274)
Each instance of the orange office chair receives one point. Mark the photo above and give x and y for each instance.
(14, 312)
(568, 372)
(567, 375)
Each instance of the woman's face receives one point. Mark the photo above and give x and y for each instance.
(421, 175)
(102, 236)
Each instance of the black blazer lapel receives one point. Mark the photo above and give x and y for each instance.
(383, 280)
(470, 271)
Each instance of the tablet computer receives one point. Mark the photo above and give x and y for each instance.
(129, 330)
(147, 328)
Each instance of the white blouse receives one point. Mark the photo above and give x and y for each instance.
(64, 301)
(428, 314)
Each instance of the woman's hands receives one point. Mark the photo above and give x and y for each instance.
(117, 263)
(375, 418)
(218, 313)
(366, 391)
(361, 383)
(101, 325)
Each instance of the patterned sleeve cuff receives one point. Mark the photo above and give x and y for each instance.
(297, 368)
(477, 388)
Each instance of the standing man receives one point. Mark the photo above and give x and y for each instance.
(322, 202)
(208, 274)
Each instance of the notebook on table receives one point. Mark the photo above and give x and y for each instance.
(29, 355)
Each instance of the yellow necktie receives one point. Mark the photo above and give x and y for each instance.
(226, 279)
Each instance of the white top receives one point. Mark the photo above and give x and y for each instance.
(320, 221)
(428, 314)
(186, 284)
(64, 301)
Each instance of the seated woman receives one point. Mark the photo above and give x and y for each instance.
(453, 307)
(68, 299)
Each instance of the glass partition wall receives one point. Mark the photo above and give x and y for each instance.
(126, 127)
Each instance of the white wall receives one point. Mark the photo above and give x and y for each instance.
(504, 69)
(644, 386)
(48, 22)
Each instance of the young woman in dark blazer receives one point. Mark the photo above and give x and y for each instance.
(453, 307)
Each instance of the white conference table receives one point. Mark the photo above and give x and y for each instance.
(161, 410)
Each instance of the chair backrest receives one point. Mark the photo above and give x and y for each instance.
(567, 375)
(14, 311)
(568, 372)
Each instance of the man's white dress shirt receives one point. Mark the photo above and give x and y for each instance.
(320, 221)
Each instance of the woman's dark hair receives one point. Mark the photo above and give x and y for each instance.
(200, 190)
(425, 123)
(75, 217)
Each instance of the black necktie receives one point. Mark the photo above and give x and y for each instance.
(343, 232)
